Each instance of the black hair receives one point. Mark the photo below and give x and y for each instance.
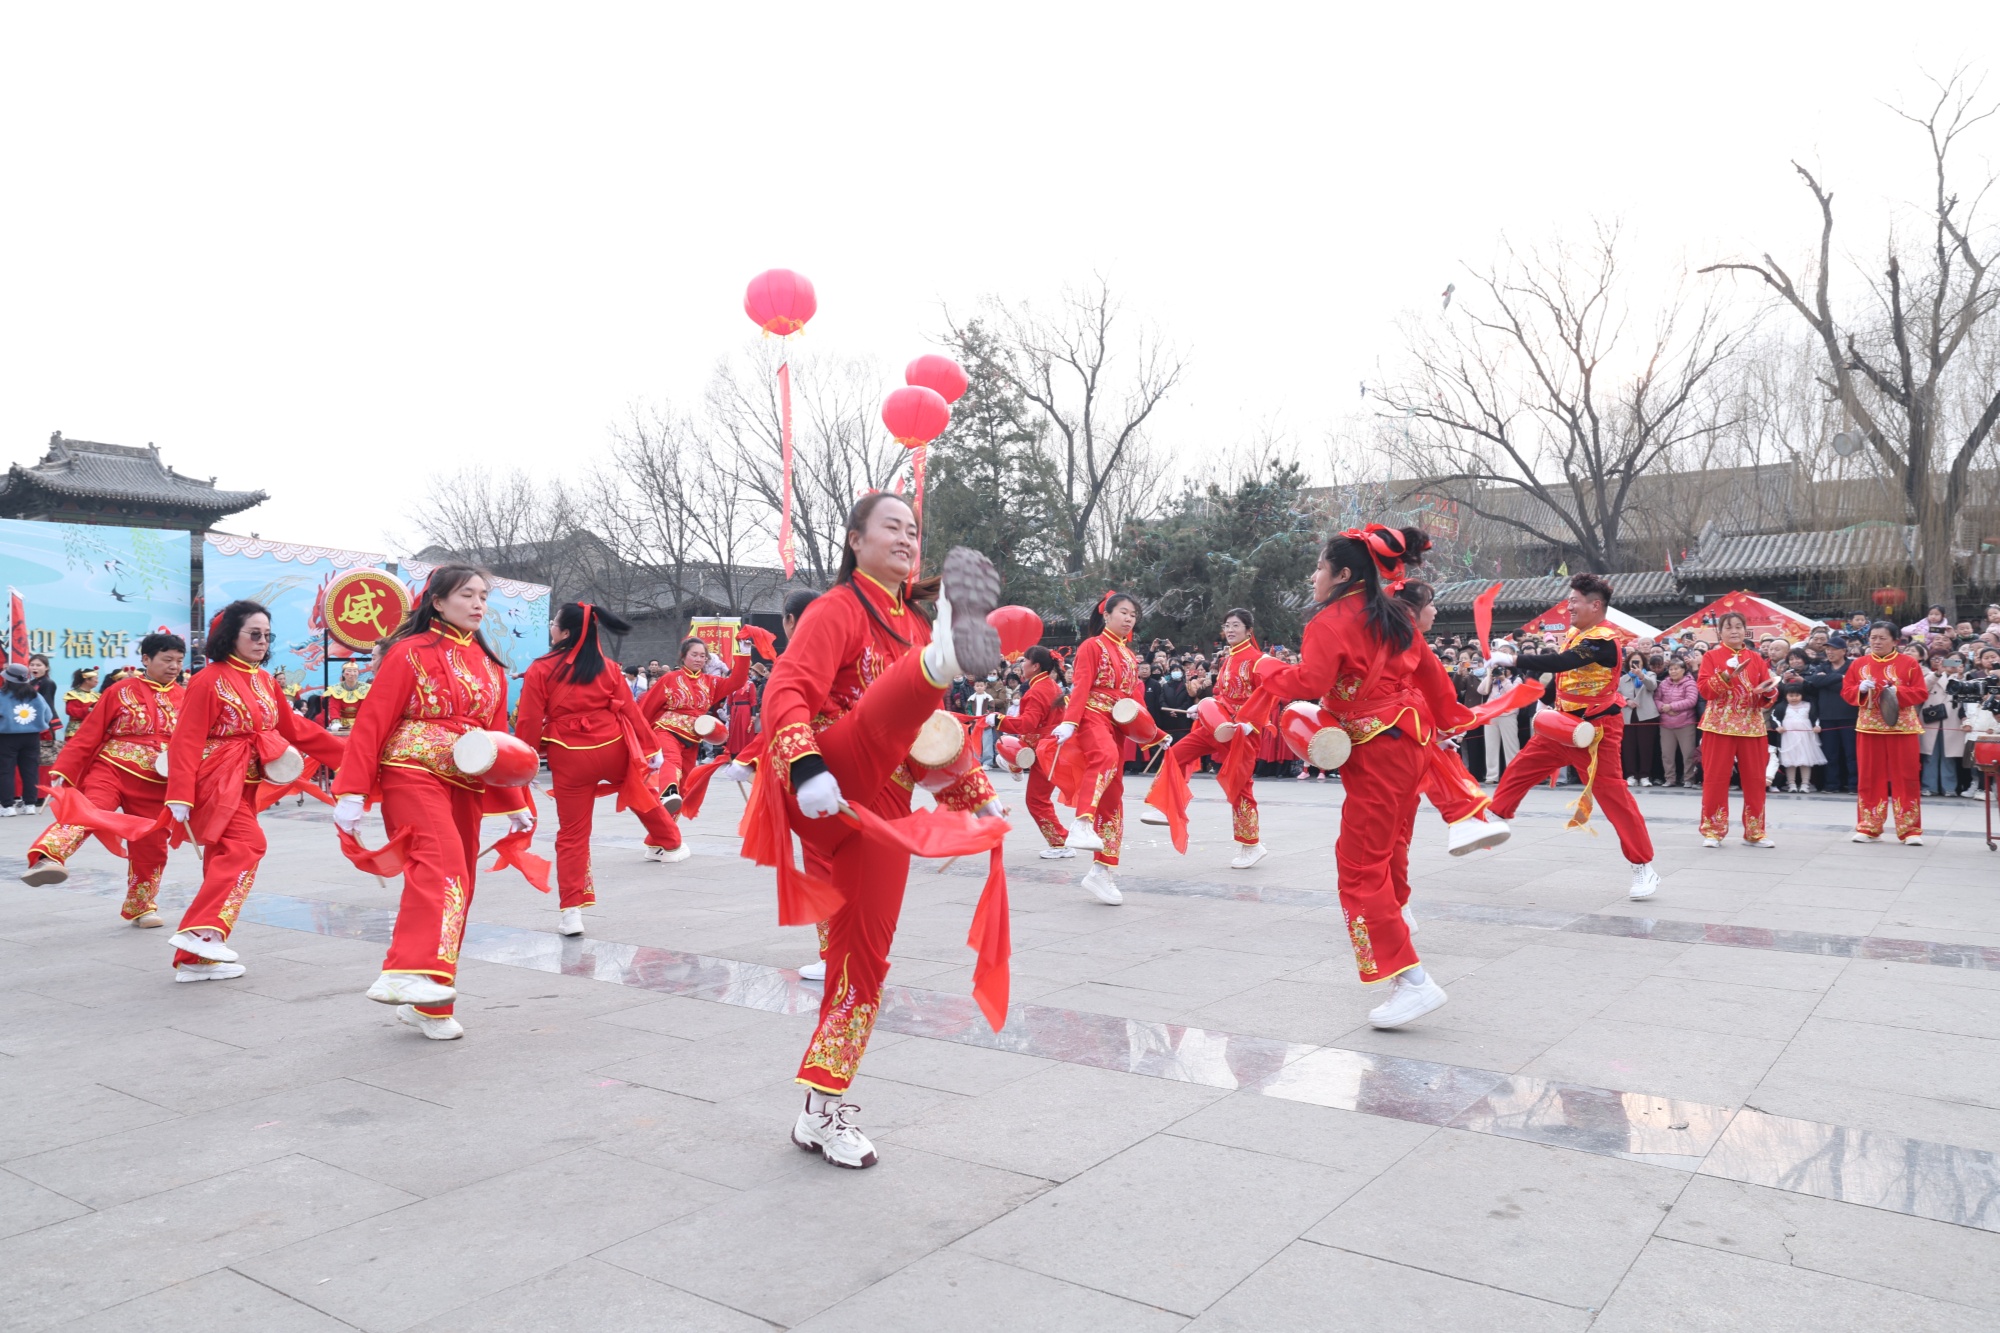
(76, 676)
(227, 628)
(588, 664)
(1736, 616)
(43, 658)
(423, 618)
(161, 642)
(1041, 657)
(1393, 619)
(1244, 614)
(1885, 627)
(1593, 585)
(25, 689)
(857, 522)
(681, 653)
(1417, 593)
(796, 603)
(1095, 625)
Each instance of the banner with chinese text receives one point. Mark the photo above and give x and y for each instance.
(90, 593)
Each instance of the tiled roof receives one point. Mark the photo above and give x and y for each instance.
(1863, 547)
(1648, 588)
(119, 474)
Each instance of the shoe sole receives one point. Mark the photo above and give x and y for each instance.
(1483, 841)
(1405, 1022)
(672, 804)
(405, 1018)
(807, 1145)
(973, 587)
(189, 977)
(231, 954)
(45, 874)
(448, 996)
(1157, 821)
(1245, 865)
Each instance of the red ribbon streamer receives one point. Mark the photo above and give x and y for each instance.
(695, 786)
(992, 939)
(1482, 618)
(385, 862)
(1170, 795)
(113, 829)
(512, 850)
(785, 432)
(1524, 693)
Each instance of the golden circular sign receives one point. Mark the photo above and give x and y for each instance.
(363, 606)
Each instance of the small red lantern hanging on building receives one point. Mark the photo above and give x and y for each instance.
(1888, 597)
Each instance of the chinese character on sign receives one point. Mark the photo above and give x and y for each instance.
(113, 642)
(79, 643)
(42, 641)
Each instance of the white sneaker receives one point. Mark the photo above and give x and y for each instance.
(215, 951)
(1103, 886)
(1914, 840)
(1711, 842)
(962, 643)
(1866, 837)
(1631, 782)
(1248, 856)
(671, 800)
(833, 1134)
(667, 856)
(8, 812)
(437, 1029)
(409, 988)
(571, 921)
(1761, 842)
(208, 971)
(1057, 853)
(1409, 919)
(1083, 838)
(1645, 782)
(44, 873)
(1407, 1002)
(1469, 835)
(813, 971)
(148, 921)
(1151, 816)
(1645, 882)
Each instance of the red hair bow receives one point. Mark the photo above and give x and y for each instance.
(1387, 548)
(589, 617)
(1109, 593)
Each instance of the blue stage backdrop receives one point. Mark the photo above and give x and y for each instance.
(517, 620)
(289, 578)
(90, 593)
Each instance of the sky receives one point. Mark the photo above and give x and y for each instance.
(328, 252)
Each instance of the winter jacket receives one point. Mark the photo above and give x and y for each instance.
(1676, 700)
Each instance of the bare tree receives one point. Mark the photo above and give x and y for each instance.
(1525, 405)
(518, 524)
(1900, 369)
(1096, 397)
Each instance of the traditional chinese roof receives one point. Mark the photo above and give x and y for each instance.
(1864, 547)
(1653, 587)
(82, 479)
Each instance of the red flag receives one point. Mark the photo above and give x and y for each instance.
(1524, 693)
(917, 460)
(1170, 795)
(512, 850)
(17, 628)
(384, 862)
(1482, 618)
(113, 829)
(695, 786)
(992, 939)
(785, 433)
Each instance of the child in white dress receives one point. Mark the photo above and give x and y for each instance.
(1798, 739)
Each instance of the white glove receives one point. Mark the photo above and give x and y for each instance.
(654, 761)
(521, 821)
(1867, 684)
(819, 796)
(735, 772)
(1064, 732)
(347, 813)
(179, 812)
(1734, 661)
(55, 780)
(991, 810)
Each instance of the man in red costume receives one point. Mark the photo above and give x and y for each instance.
(1887, 738)
(1585, 687)
(116, 760)
(1739, 686)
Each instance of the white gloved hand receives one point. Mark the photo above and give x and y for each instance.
(520, 821)
(735, 772)
(55, 780)
(654, 760)
(1735, 660)
(819, 796)
(1064, 732)
(347, 813)
(179, 812)
(991, 810)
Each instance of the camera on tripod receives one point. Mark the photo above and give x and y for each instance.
(1986, 690)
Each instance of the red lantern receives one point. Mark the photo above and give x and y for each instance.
(915, 415)
(940, 374)
(1020, 629)
(780, 301)
(1886, 597)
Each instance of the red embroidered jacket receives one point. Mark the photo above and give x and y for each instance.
(1898, 670)
(1366, 687)
(675, 700)
(234, 719)
(1103, 673)
(1236, 679)
(129, 728)
(574, 716)
(429, 690)
(1038, 710)
(1736, 694)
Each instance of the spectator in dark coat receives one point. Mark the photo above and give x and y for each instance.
(1836, 717)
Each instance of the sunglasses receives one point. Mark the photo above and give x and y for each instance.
(257, 635)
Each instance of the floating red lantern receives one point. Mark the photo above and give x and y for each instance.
(940, 374)
(780, 301)
(1020, 629)
(1886, 597)
(915, 415)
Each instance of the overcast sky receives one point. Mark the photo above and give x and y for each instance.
(326, 251)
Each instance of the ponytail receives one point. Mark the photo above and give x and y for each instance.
(1376, 558)
(582, 654)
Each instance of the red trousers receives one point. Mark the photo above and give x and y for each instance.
(1101, 803)
(576, 776)
(863, 751)
(443, 820)
(1450, 788)
(1750, 756)
(109, 787)
(228, 869)
(1542, 757)
(1200, 744)
(1042, 807)
(1891, 773)
(1379, 785)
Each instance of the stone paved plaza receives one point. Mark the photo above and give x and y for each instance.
(1770, 1100)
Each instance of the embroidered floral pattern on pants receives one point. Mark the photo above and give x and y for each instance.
(1909, 818)
(1870, 818)
(1753, 828)
(842, 1036)
(60, 842)
(1716, 824)
(1053, 833)
(1364, 949)
(142, 893)
(234, 902)
(451, 927)
(1243, 822)
(1111, 828)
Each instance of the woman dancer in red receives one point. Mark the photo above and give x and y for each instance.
(1738, 685)
(1888, 752)
(1040, 701)
(1362, 658)
(115, 760)
(233, 721)
(1448, 785)
(576, 710)
(843, 705)
(1105, 672)
(436, 681)
(672, 706)
(1235, 682)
